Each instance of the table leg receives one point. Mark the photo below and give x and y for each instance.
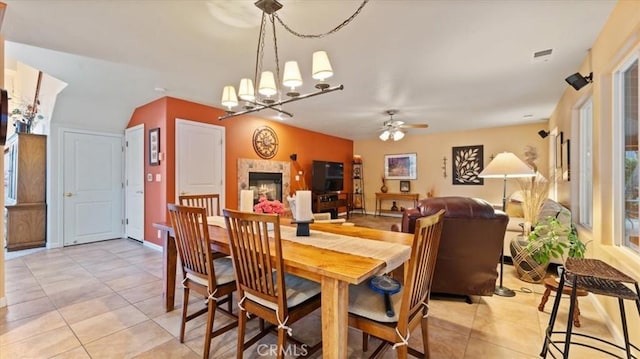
(335, 302)
(169, 259)
(545, 297)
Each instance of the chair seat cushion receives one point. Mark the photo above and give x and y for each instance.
(299, 290)
(224, 272)
(366, 302)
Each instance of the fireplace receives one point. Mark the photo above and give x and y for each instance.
(282, 168)
(268, 184)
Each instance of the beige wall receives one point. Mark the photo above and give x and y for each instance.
(3, 299)
(618, 38)
(432, 148)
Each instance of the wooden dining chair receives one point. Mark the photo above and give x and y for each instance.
(411, 305)
(210, 201)
(213, 278)
(264, 289)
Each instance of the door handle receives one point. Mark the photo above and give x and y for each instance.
(68, 194)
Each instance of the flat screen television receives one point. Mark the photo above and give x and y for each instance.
(327, 176)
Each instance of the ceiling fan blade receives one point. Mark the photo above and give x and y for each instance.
(414, 125)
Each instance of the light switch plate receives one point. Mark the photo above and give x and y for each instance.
(149, 177)
(158, 177)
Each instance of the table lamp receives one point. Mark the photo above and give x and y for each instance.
(505, 165)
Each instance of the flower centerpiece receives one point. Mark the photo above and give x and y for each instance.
(24, 117)
(264, 205)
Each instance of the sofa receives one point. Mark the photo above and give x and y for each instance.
(470, 246)
(516, 220)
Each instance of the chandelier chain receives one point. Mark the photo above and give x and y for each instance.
(317, 36)
(260, 53)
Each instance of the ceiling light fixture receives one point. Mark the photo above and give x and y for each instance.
(268, 89)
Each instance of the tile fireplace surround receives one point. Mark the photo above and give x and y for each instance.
(246, 165)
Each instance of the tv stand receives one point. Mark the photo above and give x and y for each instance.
(331, 202)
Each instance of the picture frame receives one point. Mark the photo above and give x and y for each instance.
(154, 147)
(405, 186)
(400, 166)
(566, 160)
(466, 165)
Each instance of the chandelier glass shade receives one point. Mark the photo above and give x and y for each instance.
(273, 90)
(394, 134)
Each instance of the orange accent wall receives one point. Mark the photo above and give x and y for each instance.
(162, 113)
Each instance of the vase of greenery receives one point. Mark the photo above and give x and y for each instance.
(549, 238)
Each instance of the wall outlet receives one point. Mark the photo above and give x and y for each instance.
(158, 177)
(149, 177)
(159, 234)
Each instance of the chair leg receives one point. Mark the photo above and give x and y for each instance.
(242, 323)
(211, 315)
(403, 352)
(185, 305)
(425, 336)
(230, 303)
(365, 341)
(282, 340)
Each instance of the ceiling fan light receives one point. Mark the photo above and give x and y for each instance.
(267, 84)
(321, 66)
(246, 91)
(385, 135)
(229, 98)
(398, 135)
(291, 77)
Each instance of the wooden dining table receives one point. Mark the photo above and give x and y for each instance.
(334, 270)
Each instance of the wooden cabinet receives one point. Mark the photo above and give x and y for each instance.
(331, 202)
(25, 191)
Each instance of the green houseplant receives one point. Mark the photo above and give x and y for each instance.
(548, 238)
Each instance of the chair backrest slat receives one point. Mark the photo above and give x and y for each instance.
(251, 249)
(210, 201)
(192, 241)
(422, 263)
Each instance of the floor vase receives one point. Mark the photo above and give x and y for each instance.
(526, 266)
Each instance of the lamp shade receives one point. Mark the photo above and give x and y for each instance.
(291, 77)
(398, 135)
(385, 135)
(229, 98)
(506, 165)
(246, 91)
(267, 84)
(321, 66)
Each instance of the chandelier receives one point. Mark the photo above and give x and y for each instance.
(269, 95)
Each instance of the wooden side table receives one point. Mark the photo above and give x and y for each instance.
(551, 284)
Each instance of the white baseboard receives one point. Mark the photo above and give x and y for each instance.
(152, 246)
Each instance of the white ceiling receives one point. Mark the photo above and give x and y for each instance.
(452, 64)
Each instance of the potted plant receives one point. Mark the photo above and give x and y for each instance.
(549, 238)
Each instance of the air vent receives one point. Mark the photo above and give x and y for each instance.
(542, 56)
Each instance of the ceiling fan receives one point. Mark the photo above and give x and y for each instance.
(392, 129)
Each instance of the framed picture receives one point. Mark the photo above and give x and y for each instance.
(401, 167)
(467, 164)
(405, 186)
(566, 160)
(154, 147)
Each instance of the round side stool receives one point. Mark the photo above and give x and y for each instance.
(551, 284)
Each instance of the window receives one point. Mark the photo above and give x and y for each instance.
(585, 179)
(626, 113)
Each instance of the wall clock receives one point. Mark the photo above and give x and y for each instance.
(265, 142)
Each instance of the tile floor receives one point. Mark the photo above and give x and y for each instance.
(104, 300)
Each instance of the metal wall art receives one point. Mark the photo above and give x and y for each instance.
(467, 164)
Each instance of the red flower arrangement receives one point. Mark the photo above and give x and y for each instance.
(266, 206)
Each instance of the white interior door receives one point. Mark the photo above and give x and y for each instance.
(93, 188)
(199, 159)
(134, 182)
